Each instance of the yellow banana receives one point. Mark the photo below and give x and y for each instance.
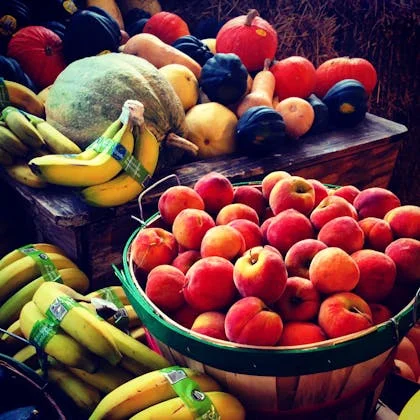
(11, 143)
(10, 309)
(21, 127)
(24, 98)
(225, 405)
(5, 158)
(61, 346)
(21, 272)
(139, 333)
(110, 293)
(124, 188)
(21, 172)
(145, 391)
(132, 366)
(11, 341)
(76, 320)
(28, 356)
(133, 318)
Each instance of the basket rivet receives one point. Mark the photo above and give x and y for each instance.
(188, 350)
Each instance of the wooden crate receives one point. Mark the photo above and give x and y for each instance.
(94, 238)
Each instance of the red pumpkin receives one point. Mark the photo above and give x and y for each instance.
(250, 37)
(166, 26)
(336, 69)
(295, 76)
(39, 52)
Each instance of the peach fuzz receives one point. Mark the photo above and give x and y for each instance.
(250, 231)
(292, 192)
(342, 232)
(287, 228)
(164, 287)
(236, 211)
(405, 252)
(260, 272)
(380, 313)
(348, 192)
(216, 191)
(329, 208)
(184, 260)
(378, 233)
(377, 275)
(404, 221)
(375, 202)
(153, 246)
(298, 258)
(222, 241)
(209, 284)
(211, 324)
(270, 180)
(252, 197)
(185, 315)
(249, 321)
(296, 333)
(189, 227)
(321, 191)
(300, 300)
(178, 198)
(332, 270)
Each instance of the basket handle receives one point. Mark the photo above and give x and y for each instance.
(123, 278)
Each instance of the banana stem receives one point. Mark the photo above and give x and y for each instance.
(174, 140)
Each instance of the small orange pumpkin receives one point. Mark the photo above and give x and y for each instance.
(167, 26)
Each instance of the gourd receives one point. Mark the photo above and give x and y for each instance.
(347, 103)
(111, 7)
(10, 69)
(224, 78)
(321, 118)
(166, 26)
(194, 48)
(59, 10)
(14, 14)
(134, 21)
(57, 27)
(260, 130)
(208, 27)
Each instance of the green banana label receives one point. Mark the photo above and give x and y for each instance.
(189, 391)
(60, 308)
(48, 269)
(42, 332)
(4, 94)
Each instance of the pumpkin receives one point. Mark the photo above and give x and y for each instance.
(167, 26)
(224, 78)
(82, 103)
(250, 37)
(346, 102)
(321, 118)
(332, 71)
(10, 69)
(260, 130)
(14, 14)
(90, 32)
(193, 47)
(39, 52)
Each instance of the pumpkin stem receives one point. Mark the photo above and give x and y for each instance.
(252, 14)
(48, 50)
(174, 140)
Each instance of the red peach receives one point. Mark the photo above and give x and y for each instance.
(380, 313)
(211, 324)
(185, 315)
(403, 369)
(348, 192)
(184, 260)
(249, 230)
(252, 197)
(267, 214)
(378, 233)
(264, 228)
(333, 270)
(401, 295)
(404, 221)
(222, 241)
(297, 333)
(406, 351)
(320, 189)
(249, 321)
(375, 202)
(236, 211)
(270, 180)
(405, 252)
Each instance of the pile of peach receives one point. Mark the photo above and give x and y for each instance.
(407, 357)
(288, 262)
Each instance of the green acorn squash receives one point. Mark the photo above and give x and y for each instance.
(193, 47)
(321, 118)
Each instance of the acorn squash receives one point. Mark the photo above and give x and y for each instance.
(321, 118)
(10, 69)
(194, 48)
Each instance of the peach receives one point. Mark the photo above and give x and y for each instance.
(405, 252)
(342, 232)
(249, 321)
(270, 180)
(380, 313)
(209, 284)
(344, 313)
(260, 272)
(329, 208)
(267, 213)
(377, 274)
(298, 258)
(211, 324)
(332, 270)
(406, 351)
(184, 260)
(414, 335)
(236, 211)
(404, 221)
(400, 296)
(189, 227)
(252, 197)
(185, 315)
(153, 246)
(216, 191)
(287, 228)
(348, 192)
(378, 233)
(296, 333)
(250, 231)
(178, 198)
(375, 202)
(300, 300)
(164, 287)
(264, 228)
(320, 189)
(292, 192)
(222, 241)
(404, 370)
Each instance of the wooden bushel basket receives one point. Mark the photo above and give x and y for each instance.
(335, 379)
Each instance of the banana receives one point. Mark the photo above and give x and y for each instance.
(133, 318)
(10, 309)
(132, 366)
(24, 98)
(124, 188)
(21, 127)
(11, 143)
(138, 333)
(5, 158)
(21, 272)
(22, 173)
(145, 391)
(225, 405)
(111, 293)
(77, 321)
(28, 355)
(11, 341)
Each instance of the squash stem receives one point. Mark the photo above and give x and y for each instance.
(174, 140)
(252, 14)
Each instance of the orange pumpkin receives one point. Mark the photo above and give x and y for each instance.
(167, 26)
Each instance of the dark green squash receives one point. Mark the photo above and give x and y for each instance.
(193, 47)
(208, 27)
(58, 27)
(134, 15)
(14, 14)
(321, 119)
(347, 103)
(58, 10)
(260, 130)
(10, 69)
(224, 78)
(136, 27)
